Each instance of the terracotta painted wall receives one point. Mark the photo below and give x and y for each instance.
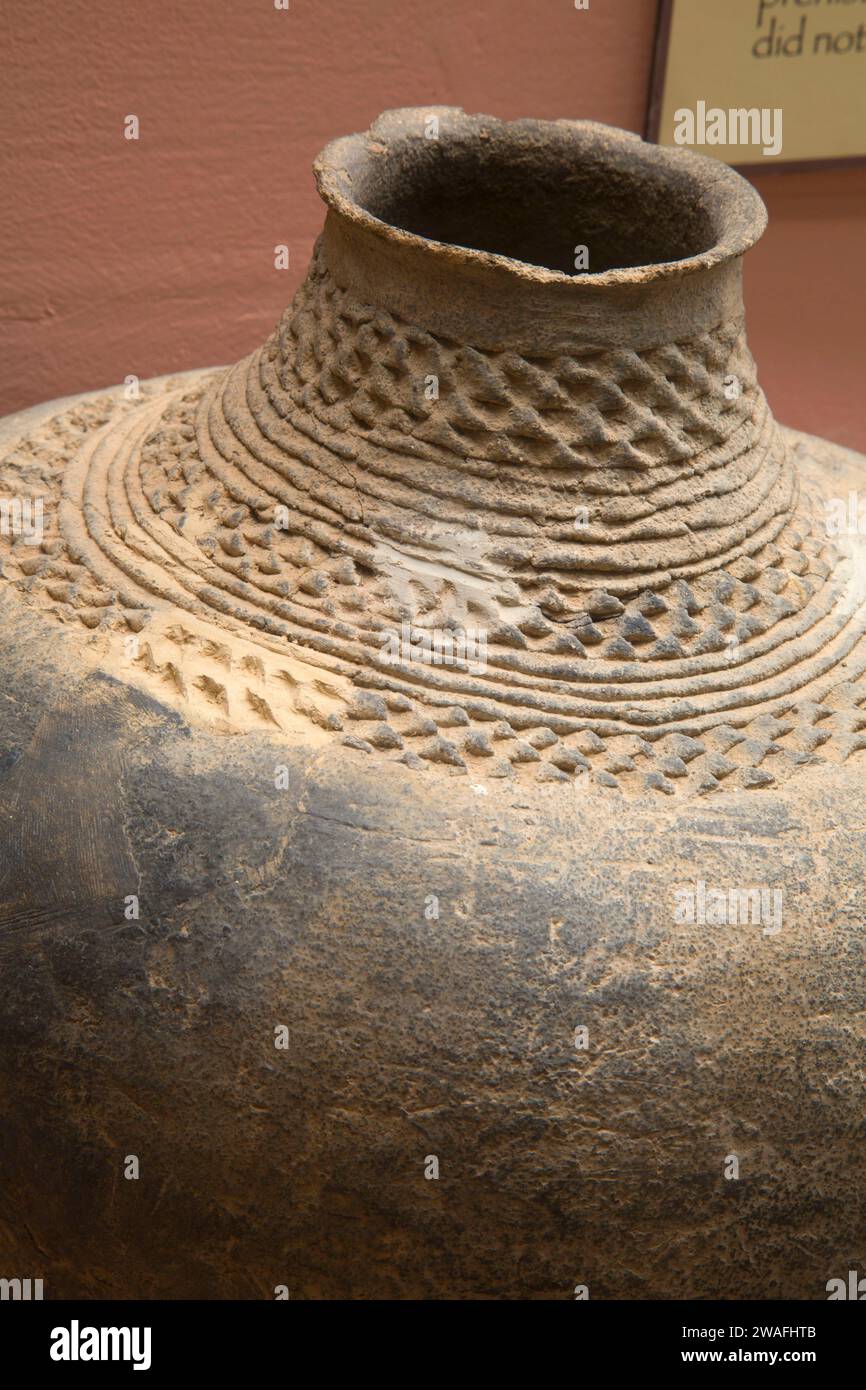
(151, 256)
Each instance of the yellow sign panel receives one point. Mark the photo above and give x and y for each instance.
(762, 81)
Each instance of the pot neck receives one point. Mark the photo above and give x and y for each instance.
(474, 300)
(535, 236)
(498, 409)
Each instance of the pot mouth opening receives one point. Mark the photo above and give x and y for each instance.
(562, 200)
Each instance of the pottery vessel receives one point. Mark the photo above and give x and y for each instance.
(432, 811)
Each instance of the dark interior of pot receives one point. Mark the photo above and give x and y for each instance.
(536, 203)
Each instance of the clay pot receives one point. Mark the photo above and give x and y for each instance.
(433, 753)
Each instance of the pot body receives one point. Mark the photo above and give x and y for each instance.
(564, 1158)
(342, 974)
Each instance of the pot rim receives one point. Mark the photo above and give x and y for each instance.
(736, 210)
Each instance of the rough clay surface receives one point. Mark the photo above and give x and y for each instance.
(196, 711)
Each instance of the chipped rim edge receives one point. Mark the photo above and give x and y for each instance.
(732, 202)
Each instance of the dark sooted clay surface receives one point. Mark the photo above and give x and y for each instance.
(553, 804)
